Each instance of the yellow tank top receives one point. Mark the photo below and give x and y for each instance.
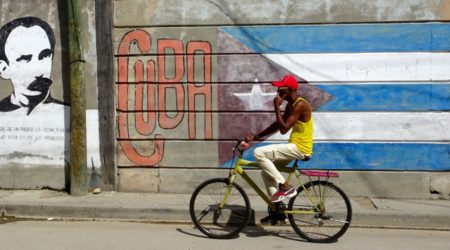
(302, 133)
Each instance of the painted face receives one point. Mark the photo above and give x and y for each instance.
(283, 91)
(29, 54)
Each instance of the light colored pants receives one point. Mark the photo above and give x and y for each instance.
(272, 156)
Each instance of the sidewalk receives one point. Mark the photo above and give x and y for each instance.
(162, 207)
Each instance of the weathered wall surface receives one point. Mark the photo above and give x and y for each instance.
(34, 93)
(193, 75)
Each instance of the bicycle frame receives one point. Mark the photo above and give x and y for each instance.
(239, 170)
(221, 208)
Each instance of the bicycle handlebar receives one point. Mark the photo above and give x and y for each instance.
(241, 145)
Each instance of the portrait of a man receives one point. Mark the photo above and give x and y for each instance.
(27, 47)
(34, 126)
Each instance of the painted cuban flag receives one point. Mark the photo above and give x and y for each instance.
(381, 92)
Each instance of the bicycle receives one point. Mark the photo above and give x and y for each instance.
(320, 212)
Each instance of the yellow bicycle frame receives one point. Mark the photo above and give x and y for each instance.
(239, 170)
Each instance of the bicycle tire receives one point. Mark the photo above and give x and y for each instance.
(215, 222)
(330, 221)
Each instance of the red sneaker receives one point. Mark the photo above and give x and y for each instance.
(284, 193)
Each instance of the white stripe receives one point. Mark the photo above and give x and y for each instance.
(92, 138)
(370, 126)
(43, 137)
(349, 67)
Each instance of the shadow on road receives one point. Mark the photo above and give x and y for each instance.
(197, 234)
(253, 232)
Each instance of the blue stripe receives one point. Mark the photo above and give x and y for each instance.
(374, 156)
(387, 97)
(412, 37)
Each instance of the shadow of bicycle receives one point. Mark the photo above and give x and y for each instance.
(252, 229)
(252, 232)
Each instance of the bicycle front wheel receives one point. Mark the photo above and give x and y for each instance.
(321, 212)
(212, 219)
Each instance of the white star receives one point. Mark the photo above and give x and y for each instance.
(256, 99)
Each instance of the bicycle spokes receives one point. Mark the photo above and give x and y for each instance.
(219, 209)
(324, 221)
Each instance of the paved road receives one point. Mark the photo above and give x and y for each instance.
(125, 235)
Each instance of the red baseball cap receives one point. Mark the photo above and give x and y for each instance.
(287, 81)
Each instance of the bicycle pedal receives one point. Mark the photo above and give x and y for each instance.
(279, 222)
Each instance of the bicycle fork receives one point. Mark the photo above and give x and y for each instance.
(231, 179)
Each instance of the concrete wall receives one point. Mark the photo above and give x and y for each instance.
(192, 75)
(34, 142)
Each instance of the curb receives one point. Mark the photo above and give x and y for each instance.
(162, 215)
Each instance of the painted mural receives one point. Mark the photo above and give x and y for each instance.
(164, 104)
(380, 93)
(27, 47)
(34, 126)
(389, 87)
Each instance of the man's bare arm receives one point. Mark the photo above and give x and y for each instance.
(286, 122)
(261, 135)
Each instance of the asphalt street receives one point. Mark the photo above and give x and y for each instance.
(132, 235)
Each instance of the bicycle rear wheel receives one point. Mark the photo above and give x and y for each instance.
(328, 220)
(216, 222)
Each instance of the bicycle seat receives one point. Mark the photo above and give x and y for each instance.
(306, 158)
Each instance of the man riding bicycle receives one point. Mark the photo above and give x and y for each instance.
(298, 117)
